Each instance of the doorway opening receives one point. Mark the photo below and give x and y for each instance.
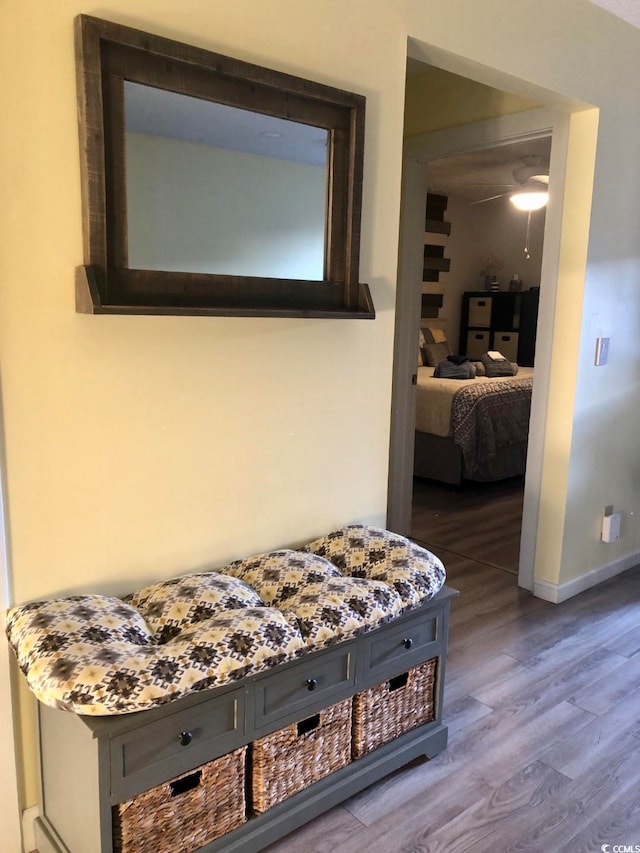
(479, 295)
(469, 123)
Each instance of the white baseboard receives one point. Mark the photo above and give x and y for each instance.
(44, 841)
(557, 593)
(35, 835)
(29, 817)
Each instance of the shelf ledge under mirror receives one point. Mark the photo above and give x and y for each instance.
(212, 186)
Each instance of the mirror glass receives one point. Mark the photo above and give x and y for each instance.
(217, 189)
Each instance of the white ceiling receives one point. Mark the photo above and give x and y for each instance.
(162, 113)
(487, 173)
(628, 10)
(481, 174)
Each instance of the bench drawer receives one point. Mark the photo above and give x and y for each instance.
(305, 687)
(167, 747)
(397, 648)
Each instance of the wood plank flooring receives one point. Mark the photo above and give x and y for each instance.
(477, 520)
(543, 707)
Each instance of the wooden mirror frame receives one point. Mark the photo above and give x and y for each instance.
(106, 55)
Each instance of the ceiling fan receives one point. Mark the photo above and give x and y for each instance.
(530, 191)
(531, 180)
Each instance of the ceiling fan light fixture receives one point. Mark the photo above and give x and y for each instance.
(532, 169)
(540, 179)
(529, 199)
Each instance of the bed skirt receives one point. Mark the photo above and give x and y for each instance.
(441, 459)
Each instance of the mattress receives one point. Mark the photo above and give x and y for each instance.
(434, 397)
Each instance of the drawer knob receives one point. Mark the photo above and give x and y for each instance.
(407, 642)
(185, 738)
(311, 683)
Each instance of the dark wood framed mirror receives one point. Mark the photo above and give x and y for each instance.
(212, 186)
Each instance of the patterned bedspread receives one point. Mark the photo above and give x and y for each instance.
(487, 417)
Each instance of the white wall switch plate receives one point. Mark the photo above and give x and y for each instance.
(602, 351)
(611, 527)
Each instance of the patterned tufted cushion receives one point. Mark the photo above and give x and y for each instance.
(339, 608)
(171, 606)
(368, 552)
(279, 575)
(95, 655)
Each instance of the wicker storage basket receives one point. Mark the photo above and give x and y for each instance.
(294, 757)
(387, 710)
(185, 813)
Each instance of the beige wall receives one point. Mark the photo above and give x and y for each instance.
(138, 448)
(436, 99)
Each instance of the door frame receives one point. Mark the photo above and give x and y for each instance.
(10, 816)
(418, 152)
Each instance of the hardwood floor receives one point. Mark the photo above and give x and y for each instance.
(543, 707)
(477, 520)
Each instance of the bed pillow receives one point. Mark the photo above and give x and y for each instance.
(433, 354)
(421, 343)
(433, 335)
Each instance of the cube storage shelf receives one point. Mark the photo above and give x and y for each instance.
(91, 767)
(503, 321)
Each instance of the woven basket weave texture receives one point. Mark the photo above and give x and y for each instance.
(390, 709)
(187, 812)
(298, 755)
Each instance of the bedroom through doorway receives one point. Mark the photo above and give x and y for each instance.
(480, 295)
(454, 106)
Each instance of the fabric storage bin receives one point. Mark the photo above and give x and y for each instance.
(477, 344)
(300, 754)
(185, 813)
(480, 311)
(396, 706)
(507, 344)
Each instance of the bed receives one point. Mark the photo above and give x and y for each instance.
(473, 429)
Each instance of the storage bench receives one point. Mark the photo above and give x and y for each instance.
(92, 764)
(353, 638)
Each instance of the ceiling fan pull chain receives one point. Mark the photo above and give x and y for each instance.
(526, 242)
